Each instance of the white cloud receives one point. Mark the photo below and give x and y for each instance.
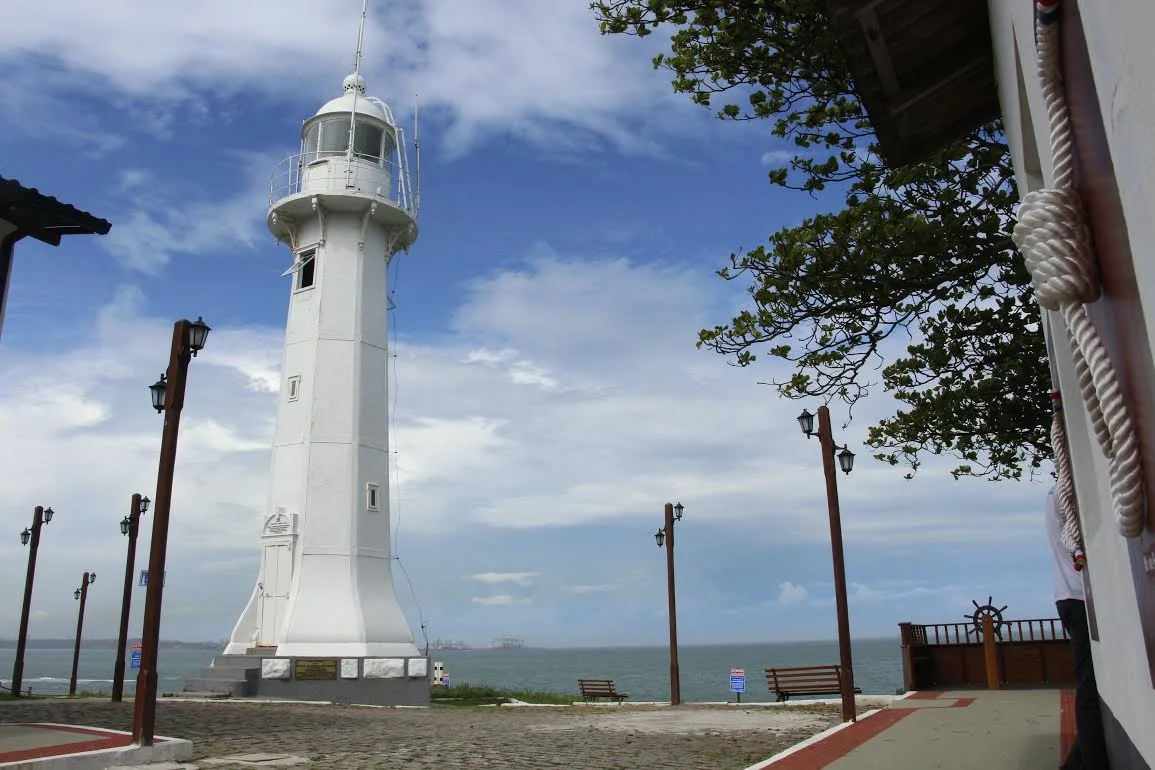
(517, 578)
(163, 217)
(541, 70)
(594, 589)
(501, 600)
(791, 593)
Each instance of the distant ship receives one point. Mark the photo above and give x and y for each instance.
(447, 644)
(507, 642)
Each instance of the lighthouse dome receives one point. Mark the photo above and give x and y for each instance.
(354, 98)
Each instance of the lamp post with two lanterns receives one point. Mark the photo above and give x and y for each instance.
(665, 536)
(188, 339)
(846, 463)
(129, 525)
(81, 595)
(31, 538)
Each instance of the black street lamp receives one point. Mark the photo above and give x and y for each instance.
(188, 339)
(81, 595)
(665, 536)
(129, 525)
(846, 462)
(31, 538)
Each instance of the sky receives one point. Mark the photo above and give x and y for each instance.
(548, 396)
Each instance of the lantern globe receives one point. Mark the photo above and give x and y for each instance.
(144, 503)
(678, 511)
(125, 524)
(806, 422)
(198, 334)
(158, 390)
(76, 594)
(48, 514)
(846, 460)
(25, 536)
(660, 536)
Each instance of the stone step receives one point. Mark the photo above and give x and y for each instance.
(238, 688)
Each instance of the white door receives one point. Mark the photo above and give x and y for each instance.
(276, 575)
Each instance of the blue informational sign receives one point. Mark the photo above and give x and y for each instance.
(144, 578)
(134, 658)
(446, 681)
(737, 680)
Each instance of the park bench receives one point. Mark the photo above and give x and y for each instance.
(805, 680)
(592, 689)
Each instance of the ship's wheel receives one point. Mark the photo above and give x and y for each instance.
(982, 611)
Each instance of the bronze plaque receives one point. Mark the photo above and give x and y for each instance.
(315, 669)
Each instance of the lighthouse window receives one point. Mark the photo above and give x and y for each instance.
(373, 497)
(334, 136)
(367, 141)
(306, 269)
(294, 387)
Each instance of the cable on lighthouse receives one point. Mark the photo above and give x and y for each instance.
(395, 472)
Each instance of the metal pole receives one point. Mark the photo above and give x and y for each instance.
(675, 678)
(22, 637)
(144, 713)
(846, 680)
(79, 630)
(126, 601)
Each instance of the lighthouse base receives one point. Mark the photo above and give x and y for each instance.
(376, 681)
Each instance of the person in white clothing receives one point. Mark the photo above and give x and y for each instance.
(1090, 750)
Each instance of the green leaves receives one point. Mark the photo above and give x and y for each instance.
(920, 253)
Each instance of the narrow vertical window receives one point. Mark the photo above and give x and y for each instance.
(373, 497)
(307, 272)
(294, 387)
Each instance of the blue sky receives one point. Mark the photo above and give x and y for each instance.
(549, 397)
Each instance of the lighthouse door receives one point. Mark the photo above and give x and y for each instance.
(276, 575)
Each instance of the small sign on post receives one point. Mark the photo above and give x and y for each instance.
(134, 657)
(144, 578)
(738, 682)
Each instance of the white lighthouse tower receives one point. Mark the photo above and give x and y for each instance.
(324, 618)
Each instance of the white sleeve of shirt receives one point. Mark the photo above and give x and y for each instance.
(1068, 582)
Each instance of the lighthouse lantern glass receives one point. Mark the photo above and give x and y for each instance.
(309, 147)
(334, 136)
(367, 141)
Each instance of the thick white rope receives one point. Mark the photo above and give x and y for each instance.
(1071, 533)
(1056, 244)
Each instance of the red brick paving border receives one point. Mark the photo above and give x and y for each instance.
(923, 695)
(107, 741)
(1067, 728)
(838, 745)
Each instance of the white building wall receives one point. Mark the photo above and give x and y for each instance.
(1119, 42)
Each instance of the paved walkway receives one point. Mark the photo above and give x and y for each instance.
(1003, 729)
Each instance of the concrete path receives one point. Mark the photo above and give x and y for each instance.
(1004, 729)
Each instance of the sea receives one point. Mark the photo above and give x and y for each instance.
(642, 672)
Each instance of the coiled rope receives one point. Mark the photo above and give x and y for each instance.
(1055, 240)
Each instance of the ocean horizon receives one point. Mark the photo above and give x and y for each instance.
(641, 671)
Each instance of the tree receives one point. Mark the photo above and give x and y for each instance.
(920, 254)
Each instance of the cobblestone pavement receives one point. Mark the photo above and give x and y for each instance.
(349, 738)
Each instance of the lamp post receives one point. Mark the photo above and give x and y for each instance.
(129, 525)
(846, 463)
(31, 538)
(188, 339)
(81, 595)
(665, 536)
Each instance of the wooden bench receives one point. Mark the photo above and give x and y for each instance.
(592, 689)
(805, 680)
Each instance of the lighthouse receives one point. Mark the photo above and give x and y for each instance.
(323, 620)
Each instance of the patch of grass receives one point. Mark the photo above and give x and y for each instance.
(465, 694)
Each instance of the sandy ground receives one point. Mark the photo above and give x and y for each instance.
(349, 738)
